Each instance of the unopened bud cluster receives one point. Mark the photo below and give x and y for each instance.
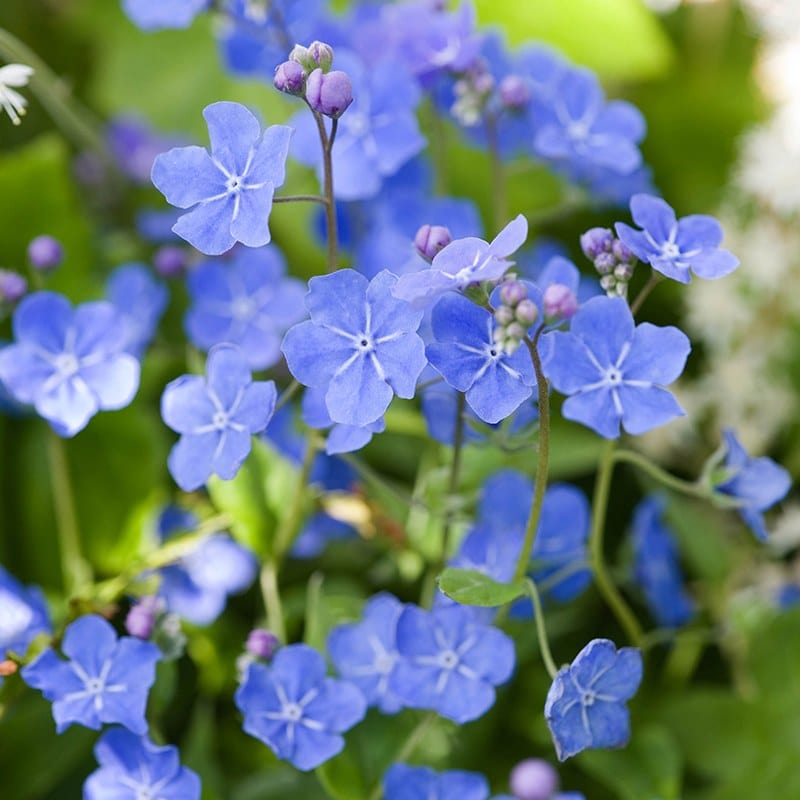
(308, 74)
(516, 314)
(611, 258)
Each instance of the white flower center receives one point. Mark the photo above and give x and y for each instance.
(67, 364)
(220, 420)
(448, 659)
(243, 308)
(384, 663)
(293, 712)
(234, 183)
(670, 250)
(614, 376)
(578, 131)
(357, 123)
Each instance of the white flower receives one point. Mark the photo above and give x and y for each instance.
(13, 102)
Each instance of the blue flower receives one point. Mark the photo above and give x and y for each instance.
(466, 355)
(461, 263)
(216, 417)
(376, 136)
(614, 372)
(141, 300)
(229, 191)
(247, 301)
(69, 364)
(360, 343)
(656, 566)
(295, 710)
(23, 614)
(318, 531)
(758, 483)
(153, 15)
(402, 782)
(674, 246)
(365, 653)
(133, 768)
(450, 662)
(106, 679)
(585, 706)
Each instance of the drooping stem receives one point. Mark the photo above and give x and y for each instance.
(655, 279)
(498, 175)
(272, 599)
(616, 602)
(75, 570)
(541, 631)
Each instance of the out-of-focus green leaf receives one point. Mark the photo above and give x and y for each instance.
(341, 777)
(473, 588)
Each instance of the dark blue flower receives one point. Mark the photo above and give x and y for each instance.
(106, 679)
(360, 343)
(450, 662)
(674, 246)
(585, 706)
(402, 782)
(656, 566)
(23, 614)
(247, 301)
(295, 710)
(757, 483)
(229, 191)
(216, 416)
(153, 15)
(465, 354)
(133, 768)
(614, 372)
(69, 364)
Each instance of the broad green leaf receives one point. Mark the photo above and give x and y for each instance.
(341, 777)
(476, 589)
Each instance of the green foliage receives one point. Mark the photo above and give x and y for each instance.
(476, 589)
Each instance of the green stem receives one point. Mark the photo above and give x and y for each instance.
(75, 570)
(272, 599)
(287, 395)
(626, 617)
(330, 203)
(71, 117)
(374, 478)
(541, 631)
(655, 279)
(301, 198)
(499, 193)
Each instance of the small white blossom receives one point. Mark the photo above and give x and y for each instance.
(13, 102)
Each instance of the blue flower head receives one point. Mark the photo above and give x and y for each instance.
(614, 372)
(673, 246)
(23, 614)
(229, 191)
(132, 768)
(360, 343)
(247, 301)
(153, 15)
(585, 706)
(106, 679)
(461, 263)
(450, 662)
(402, 782)
(295, 710)
(69, 364)
(656, 566)
(758, 483)
(216, 416)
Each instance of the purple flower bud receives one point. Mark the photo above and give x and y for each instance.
(512, 293)
(322, 55)
(141, 618)
(504, 315)
(621, 252)
(605, 263)
(514, 92)
(526, 312)
(329, 94)
(262, 643)
(301, 56)
(533, 779)
(430, 239)
(12, 286)
(596, 241)
(45, 253)
(171, 261)
(290, 77)
(559, 301)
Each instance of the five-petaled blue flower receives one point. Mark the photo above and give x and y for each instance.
(133, 768)
(247, 301)
(469, 359)
(229, 191)
(461, 263)
(674, 246)
(216, 416)
(402, 782)
(23, 614)
(585, 706)
(366, 652)
(614, 371)
(450, 662)
(106, 679)
(153, 15)
(295, 710)
(360, 343)
(69, 364)
(758, 483)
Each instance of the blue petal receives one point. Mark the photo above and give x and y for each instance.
(90, 641)
(312, 748)
(645, 408)
(299, 669)
(339, 300)
(358, 394)
(231, 452)
(68, 406)
(338, 706)
(227, 374)
(657, 355)
(250, 218)
(570, 366)
(256, 406)
(114, 382)
(654, 215)
(43, 319)
(191, 460)
(23, 372)
(208, 227)
(314, 353)
(595, 409)
(232, 131)
(187, 176)
(269, 160)
(605, 325)
(511, 238)
(710, 264)
(498, 392)
(186, 405)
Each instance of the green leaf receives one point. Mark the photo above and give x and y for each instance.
(341, 777)
(620, 39)
(476, 589)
